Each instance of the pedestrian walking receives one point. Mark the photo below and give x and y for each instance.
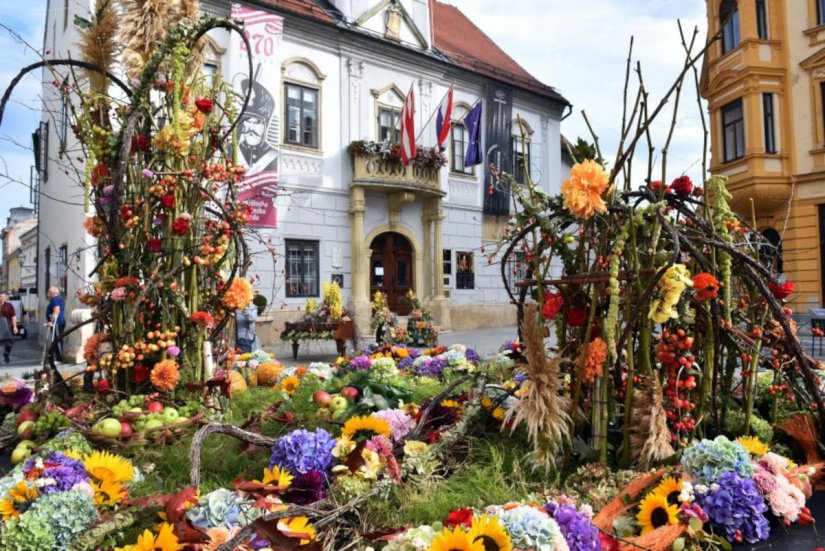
(56, 317)
(245, 328)
(8, 326)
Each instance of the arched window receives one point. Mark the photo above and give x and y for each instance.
(520, 145)
(729, 18)
(302, 103)
(459, 140)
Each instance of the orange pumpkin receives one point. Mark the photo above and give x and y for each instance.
(268, 372)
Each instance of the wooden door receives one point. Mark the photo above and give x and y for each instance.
(391, 270)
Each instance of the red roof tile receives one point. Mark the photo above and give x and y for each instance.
(306, 8)
(468, 46)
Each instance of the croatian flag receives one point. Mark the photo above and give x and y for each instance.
(472, 121)
(444, 119)
(408, 149)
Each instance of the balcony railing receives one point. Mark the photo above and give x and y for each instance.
(377, 171)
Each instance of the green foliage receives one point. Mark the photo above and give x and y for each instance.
(584, 150)
(735, 420)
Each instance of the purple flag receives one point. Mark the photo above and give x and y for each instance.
(472, 121)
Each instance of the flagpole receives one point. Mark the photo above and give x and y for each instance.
(426, 124)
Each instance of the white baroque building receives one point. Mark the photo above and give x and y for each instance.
(335, 72)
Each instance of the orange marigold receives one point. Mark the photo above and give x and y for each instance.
(94, 226)
(165, 375)
(705, 286)
(91, 350)
(239, 294)
(594, 361)
(583, 191)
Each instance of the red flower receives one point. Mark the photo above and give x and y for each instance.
(204, 105)
(98, 172)
(552, 304)
(608, 542)
(168, 201)
(705, 286)
(575, 317)
(656, 186)
(140, 373)
(433, 436)
(153, 245)
(682, 185)
(141, 142)
(180, 226)
(459, 517)
(102, 387)
(783, 291)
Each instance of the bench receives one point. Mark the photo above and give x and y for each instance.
(339, 332)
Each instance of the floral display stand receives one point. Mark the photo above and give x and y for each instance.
(299, 331)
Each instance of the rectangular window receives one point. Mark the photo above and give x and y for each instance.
(63, 269)
(302, 277)
(761, 20)
(447, 261)
(465, 271)
(459, 138)
(820, 12)
(65, 14)
(730, 31)
(733, 131)
(521, 158)
(47, 262)
(822, 106)
(769, 123)
(209, 71)
(516, 270)
(388, 125)
(301, 115)
(64, 120)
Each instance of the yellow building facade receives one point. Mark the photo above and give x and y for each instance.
(764, 82)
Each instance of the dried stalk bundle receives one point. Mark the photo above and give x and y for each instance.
(650, 436)
(98, 45)
(802, 428)
(144, 24)
(625, 500)
(543, 409)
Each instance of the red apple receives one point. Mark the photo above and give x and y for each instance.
(125, 429)
(24, 429)
(154, 407)
(321, 397)
(26, 415)
(350, 393)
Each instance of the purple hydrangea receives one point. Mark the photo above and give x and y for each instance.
(405, 363)
(302, 451)
(734, 504)
(258, 542)
(63, 470)
(472, 357)
(308, 488)
(433, 367)
(576, 527)
(360, 363)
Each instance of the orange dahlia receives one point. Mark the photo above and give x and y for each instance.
(165, 375)
(239, 294)
(594, 361)
(583, 191)
(705, 286)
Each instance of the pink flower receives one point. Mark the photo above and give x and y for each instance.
(118, 294)
(173, 351)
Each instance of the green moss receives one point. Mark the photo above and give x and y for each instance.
(735, 421)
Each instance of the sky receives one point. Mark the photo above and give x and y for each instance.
(579, 47)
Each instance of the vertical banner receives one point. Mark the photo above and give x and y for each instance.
(258, 134)
(498, 154)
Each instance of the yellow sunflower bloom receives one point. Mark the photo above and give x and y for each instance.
(105, 466)
(498, 414)
(754, 445)
(297, 527)
(290, 385)
(489, 531)
(277, 476)
(670, 488)
(450, 404)
(455, 540)
(655, 512)
(18, 501)
(165, 540)
(365, 427)
(108, 493)
(486, 402)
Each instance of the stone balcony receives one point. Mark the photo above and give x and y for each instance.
(377, 173)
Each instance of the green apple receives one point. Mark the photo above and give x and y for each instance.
(153, 424)
(135, 410)
(169, 415)
(338, 403)
(323, 413)
(24, 426)
(108, 427)
(20, 454)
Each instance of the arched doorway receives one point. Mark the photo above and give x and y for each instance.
(391, 270)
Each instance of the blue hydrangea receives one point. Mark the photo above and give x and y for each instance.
(708, 460)
(530, 528)
(302, 451)
(222, 508)
(455, 357)
(735, 505)
(52, 522)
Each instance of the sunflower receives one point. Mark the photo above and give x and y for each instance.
(670, 488)
(165, 375)
(277, 477)
(754, 445)
(19, 499)
(165, 540)
(297, 527)
(489, 531)
(450, 404)
(238, 295)
(498, 414)
(455, 540)
(486, 402)
(365, 427)
(290, 385)
(654, 512)
(107, 467)
(108, 493)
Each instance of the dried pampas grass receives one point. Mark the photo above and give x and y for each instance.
(98, 45)
(650, 436)
(543, 410)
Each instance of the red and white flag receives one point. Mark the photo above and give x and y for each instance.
(408, 149)
(444, 119)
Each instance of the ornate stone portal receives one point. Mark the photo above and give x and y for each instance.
(402, 185)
